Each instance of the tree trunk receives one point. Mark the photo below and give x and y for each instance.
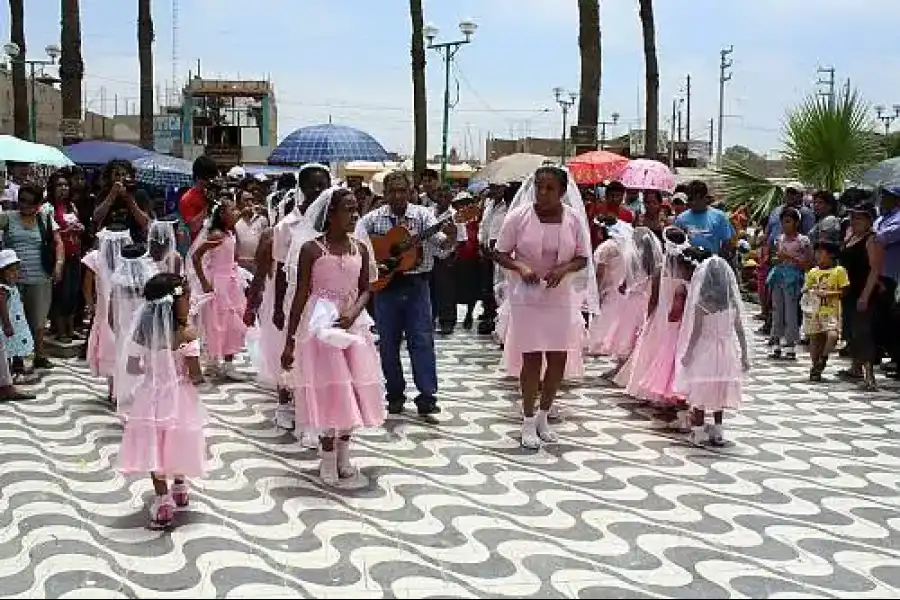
(589, 49)
(19, 80)
(71, 67)
(420, 100)
(651, 65)
(145, 60)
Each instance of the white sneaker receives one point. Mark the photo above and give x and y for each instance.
(284, 416)
(716, 435)
(328, 470)
(530, 437)
(543, 428)
(682, 422)
(698, 436)
(308, 440)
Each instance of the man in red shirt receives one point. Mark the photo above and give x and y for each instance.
(615, 194)
(193, 204)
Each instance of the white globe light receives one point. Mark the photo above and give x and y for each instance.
(430, 31)
(11, 49)
(468, 27)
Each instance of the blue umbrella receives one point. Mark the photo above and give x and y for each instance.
(162, 170)
(96, 152)
(327, 144)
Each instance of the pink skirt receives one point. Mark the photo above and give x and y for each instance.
(615, 330)
(714, 395)
(652, 364)
(101, 348)
(335, 388)
(221, 320)
(271, 340)
(164, 433)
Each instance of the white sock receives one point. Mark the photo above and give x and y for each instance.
(328, 470)
(543, 427)
(530, 437)
(344, 467)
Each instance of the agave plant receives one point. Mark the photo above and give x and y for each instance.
(826, 144)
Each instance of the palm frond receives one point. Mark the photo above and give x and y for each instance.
(828, 144)
(751, 190)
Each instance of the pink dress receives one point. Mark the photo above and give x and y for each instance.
(710, 377)
(541, 319)
(164, 426)
(336, 388)
(221, 317)
(101, 349)
(649, 372)
(271, 339)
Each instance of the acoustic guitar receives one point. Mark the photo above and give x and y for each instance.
(399, 251)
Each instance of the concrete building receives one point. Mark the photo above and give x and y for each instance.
(234, 122)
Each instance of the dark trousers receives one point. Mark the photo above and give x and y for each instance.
(403, 309)
(487, 288)
(443, 292)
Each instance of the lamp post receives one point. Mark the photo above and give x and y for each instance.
(448, 50)
(15, 54)
(614, 120)
(566, 100)
(886, 117)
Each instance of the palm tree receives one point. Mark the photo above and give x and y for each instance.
(420, 101)
(589, 49)
(71, 67)
(825, 146)
(651, 67)
(145, 59)
(19, 81)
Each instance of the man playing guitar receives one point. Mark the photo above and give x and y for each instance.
(403, 308)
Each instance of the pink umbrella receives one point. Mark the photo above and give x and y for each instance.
(596, 167)
(645, 174)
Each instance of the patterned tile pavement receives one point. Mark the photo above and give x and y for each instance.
(804, 503)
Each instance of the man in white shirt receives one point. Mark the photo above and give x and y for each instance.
(17, 173)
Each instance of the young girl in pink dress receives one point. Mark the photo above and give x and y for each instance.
(101, 264)
(217, 290)
(162, 245)
(329, 353)
(648, 373)
(164, 427)
(544, 245)
(712, 350)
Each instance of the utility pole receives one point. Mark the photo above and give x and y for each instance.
(828, 83)
(712, 129)
(687, 124)
(566, 101)
(672, 135)
(725, 63)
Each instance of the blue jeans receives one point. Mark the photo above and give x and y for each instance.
(404, 308)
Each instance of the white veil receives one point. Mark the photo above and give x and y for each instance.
(713, 294)
(313, 227)
(111, 242)
(584, 282)
(646, 260)
(162, 233)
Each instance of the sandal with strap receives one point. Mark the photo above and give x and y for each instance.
(162, 511)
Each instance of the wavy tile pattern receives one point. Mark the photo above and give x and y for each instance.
(804, 503)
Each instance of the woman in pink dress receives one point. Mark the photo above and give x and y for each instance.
(650, 369)
(712, 349)
(544, 245)
(164, 427)
(329, 353)
(217, 290)
(101, 264)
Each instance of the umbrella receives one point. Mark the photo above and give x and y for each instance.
(513, 167)
(96, 152)
(327, 144)
(645, 174)
(596, 167)
(885, 173)
(163, 171)
(15, 149)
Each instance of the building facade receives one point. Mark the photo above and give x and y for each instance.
(234, 122)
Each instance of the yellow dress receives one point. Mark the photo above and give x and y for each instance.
(828, 316)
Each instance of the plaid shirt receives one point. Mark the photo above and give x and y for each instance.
(417, 219)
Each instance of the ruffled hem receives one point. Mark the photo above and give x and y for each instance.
(177, 451)
(714, 395)
(341, 406)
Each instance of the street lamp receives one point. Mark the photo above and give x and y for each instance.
(448, 50)
(566, 100)
(887, 118)
(16, 55)
(614, 120)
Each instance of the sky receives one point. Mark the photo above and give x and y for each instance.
(348, 61)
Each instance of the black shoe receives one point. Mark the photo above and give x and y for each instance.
(446, 329)
(41, 362)
(395, 405)
(486, 327)
(427, 409)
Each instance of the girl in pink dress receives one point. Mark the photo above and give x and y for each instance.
(164, 427)
(101, 264)
(544, 245)
(648, 373)
(162, 245)
(329, 353)
(712, 349)
(217, 290)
